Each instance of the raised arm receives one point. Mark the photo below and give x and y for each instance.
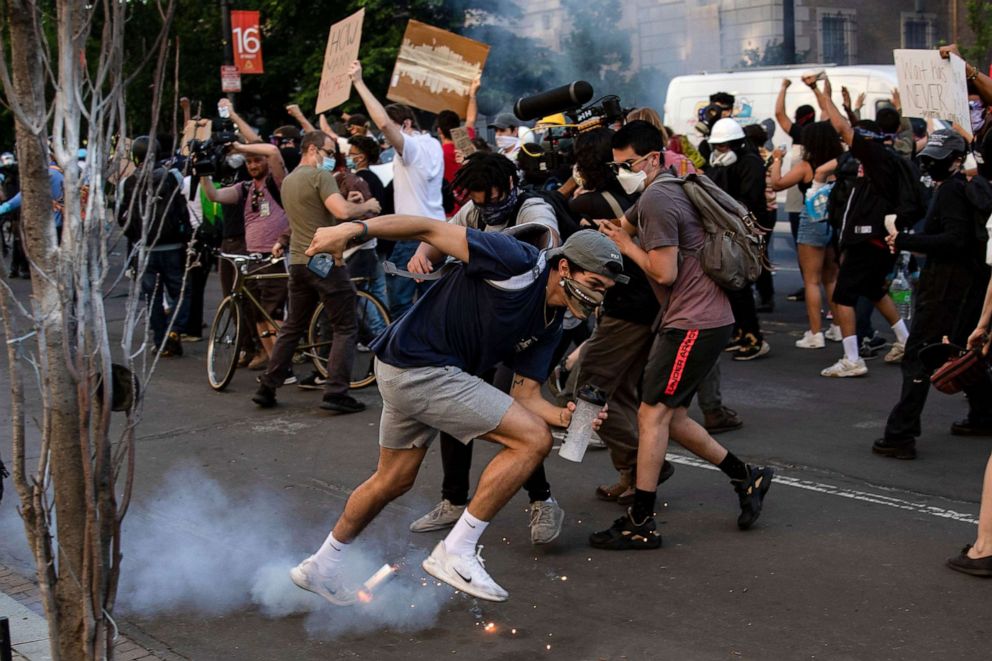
(276, 165)
(447, 238)
(982, 83)
(389, 128)
(244, 128)
(841, 125)
(325, 126)
(780, 115)
(472, 113)
(301, 119)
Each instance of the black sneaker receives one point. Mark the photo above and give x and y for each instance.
(626, 535)
(895, 449)
(341, 404)
(970, 427)
(735, 342)
(797, 296)
(313, 382)
(172, 347)
(751, 347)
(752, 493)
(973, 566)
(265, 397)
(872, 346)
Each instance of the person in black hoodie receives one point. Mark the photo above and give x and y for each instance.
(736, 167)
(948, 298)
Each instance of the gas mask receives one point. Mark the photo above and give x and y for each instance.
(723, 158)
(632, 182)
(584, 300)
(497, 213)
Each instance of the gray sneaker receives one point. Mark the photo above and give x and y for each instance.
(444, 515)
(546, 517)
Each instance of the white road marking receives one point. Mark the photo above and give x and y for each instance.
(853, 494)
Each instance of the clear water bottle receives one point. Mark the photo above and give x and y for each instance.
(901, 288)
(589, 402)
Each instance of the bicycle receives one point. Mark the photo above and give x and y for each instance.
(224, 341)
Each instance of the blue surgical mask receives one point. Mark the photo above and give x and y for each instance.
(349, 163)
(327, 164)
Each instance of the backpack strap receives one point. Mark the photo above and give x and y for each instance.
(612, 201)
(513, 283)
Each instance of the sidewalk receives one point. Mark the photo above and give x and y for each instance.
(20, 603)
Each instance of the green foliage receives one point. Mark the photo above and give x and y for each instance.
(979, 18)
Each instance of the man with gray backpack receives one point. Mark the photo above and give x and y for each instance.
(695, 326)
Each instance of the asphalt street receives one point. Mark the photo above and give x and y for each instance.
(846, 562)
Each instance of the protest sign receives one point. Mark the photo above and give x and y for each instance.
(932, 87)
(435, 69)
(463, 143)
(246, 38)
(342, 49)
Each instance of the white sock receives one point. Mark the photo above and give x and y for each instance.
(331, 552)
(465, 535)
(851, 348)
(902, 333)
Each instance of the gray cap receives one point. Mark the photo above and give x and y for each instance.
(594, 252)
(943, 143)
(505, 120)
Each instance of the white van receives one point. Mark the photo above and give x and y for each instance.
(755, 91)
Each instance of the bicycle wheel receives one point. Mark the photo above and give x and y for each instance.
(371, 318)
(222, 346)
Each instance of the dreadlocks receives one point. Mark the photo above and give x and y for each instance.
(484, 171)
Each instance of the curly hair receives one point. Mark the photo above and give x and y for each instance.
(592, 154)
(821, 143)
(366, 145)
(484, 171)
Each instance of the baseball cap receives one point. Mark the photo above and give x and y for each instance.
(943, 143)
(505, 120)
(594, 252)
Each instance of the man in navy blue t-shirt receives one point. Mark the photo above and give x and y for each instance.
(504, 303)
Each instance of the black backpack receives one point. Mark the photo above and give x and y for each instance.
(911, 201)
(846, 175)
(169, 215)
(979, 194)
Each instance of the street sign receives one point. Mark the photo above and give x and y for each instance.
(230, 79)
(247, 40)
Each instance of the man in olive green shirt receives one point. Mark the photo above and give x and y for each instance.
(311, 199)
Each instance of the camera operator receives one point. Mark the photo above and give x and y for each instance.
(311, 198)
(260, 202)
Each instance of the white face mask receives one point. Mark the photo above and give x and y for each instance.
(579, 181)
(507, 142)
(235, 161)
(723, 158)
(632, 182)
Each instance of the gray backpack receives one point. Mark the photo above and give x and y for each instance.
(733, 252)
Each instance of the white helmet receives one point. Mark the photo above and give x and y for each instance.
(726, 130)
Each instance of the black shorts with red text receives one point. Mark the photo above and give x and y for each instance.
(678, 363)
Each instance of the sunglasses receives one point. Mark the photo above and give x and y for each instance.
(256, 199)
(627, 166)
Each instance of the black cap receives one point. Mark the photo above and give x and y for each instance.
(943, 143)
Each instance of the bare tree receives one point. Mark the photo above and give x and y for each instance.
(65, 84)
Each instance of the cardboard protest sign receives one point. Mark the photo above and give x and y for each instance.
(435, 68)
(932, 87)
(343, 41)
(463, 143)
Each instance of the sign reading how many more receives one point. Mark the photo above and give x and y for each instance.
(931, 87)
(342, 49)
(247, 41)
(435, 69)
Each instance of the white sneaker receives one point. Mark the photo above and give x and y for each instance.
(833, 333)
(896, 353)
(331, 586)
(811, 340)
(464, 572)
(444, 515)
(845, 368)
(546, 517)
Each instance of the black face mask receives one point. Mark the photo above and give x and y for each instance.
(291, 157)
(938, 170)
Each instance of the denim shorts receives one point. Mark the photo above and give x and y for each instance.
(813, 233)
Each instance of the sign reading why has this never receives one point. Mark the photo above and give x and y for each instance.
(343, 42)
(435, 68)
(931, 87)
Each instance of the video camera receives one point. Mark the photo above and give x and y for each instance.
(569, 100)
(207, 156)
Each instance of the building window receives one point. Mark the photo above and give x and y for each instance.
(837, 36)
(918, 30)
(546, 21)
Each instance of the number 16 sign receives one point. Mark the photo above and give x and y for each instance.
(247, 40)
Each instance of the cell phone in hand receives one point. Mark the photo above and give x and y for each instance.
(890, 223)
(321, 264)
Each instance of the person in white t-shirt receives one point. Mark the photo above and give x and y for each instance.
(418, 171)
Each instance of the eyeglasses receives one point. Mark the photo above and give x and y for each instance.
(627, 166)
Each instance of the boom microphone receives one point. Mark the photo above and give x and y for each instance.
(560, 99)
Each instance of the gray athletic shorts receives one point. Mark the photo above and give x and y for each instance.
(418, 402)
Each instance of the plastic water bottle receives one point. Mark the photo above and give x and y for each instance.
(589, 402)
(901, 288)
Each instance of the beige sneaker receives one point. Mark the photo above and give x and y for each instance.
(444, 515)
(846, 368)
(896, 353)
